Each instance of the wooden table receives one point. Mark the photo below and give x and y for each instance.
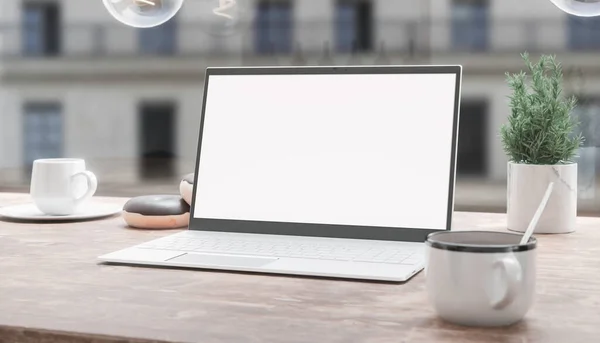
(53, 290)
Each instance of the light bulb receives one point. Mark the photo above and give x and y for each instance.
(143, 13)
(221, 17)
(581, 8)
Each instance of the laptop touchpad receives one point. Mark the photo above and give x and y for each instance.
(222, 260)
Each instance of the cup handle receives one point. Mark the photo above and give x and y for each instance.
(512, 273)
(92, 185)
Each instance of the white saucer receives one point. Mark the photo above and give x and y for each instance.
(90, 210)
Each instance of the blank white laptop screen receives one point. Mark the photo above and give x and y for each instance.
(367, 150)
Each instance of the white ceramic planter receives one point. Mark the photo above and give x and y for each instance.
(526, 187)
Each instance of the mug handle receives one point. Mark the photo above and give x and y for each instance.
(513, 275)
(92, 185)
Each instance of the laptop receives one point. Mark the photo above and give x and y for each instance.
(318, 171)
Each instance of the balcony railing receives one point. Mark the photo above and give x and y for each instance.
(311, 38)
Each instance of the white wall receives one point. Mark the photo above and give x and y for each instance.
(494, 91)
(548, 30)
(318, 12)
(390, 16)
(85, 12)
(100, 123)
(10, 129)
(107, 111)
(507, 28)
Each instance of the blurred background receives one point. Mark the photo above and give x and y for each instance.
(74, 82)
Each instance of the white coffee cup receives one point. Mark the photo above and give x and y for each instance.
(60, 185)
(480, 278)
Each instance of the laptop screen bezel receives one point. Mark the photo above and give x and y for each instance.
(329, 230)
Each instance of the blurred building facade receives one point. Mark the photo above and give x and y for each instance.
(76, 83)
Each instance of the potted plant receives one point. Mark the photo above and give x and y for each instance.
(541, 142)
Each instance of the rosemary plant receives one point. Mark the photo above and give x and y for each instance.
(541, 127)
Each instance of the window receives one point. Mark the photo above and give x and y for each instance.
(41, 29)
(583, 33)
(42, 132)
(470, 24)
(353, 25)
(588, 114)
(159, 40)
(472, 139)
(157, 140)
(273, 27)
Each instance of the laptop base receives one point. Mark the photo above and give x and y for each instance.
(150, 254)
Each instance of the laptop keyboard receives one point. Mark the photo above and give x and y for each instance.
(376, 253)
